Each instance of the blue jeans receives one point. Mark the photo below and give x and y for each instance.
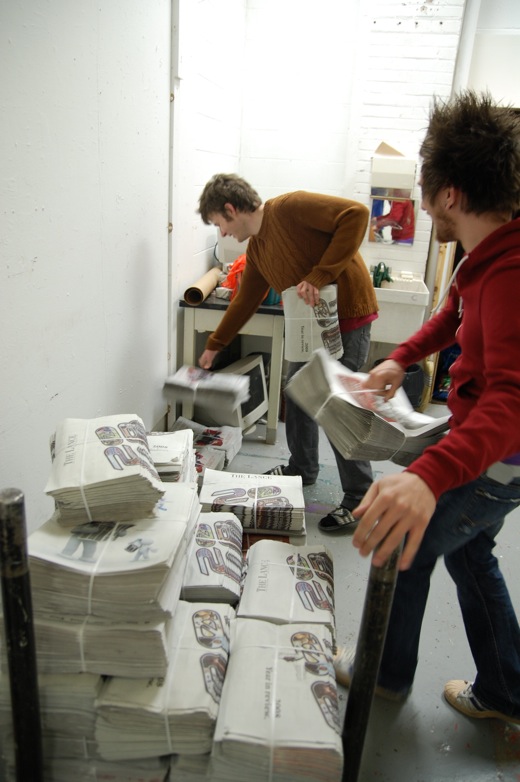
(303, 433)
(463, 529)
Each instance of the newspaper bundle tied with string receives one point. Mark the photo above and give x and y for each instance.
(309, 328)
(220, 390)
(102, 470)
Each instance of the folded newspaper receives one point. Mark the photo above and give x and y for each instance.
(357, 421)
(222, 390)
(172, 454)
(286, 583)
(102, 470)
(175, 713)
(215, 562)
(279, 717)
(273, 503)
(227, 439)
(309, 328)
(125, 571)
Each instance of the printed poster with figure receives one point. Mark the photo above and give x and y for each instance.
(309, 328)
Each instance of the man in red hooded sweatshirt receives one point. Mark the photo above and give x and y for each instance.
(452, 501)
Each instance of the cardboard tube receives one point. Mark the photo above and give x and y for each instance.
(196, 293)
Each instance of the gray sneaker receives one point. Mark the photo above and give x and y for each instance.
(344, 666)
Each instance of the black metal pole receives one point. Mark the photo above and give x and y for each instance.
(19, 635)
(369, 650)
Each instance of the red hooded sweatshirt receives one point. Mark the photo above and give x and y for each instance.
(483, 316)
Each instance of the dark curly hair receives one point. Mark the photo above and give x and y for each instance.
(474, 145)
(225, 189)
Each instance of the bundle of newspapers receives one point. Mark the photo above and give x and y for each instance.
(220, 390)
(208, 458)
(262, 503)
(227, 439)
(102, 470)
(129, 571)
(215, 562)
(173, 455)
(279, 716)
(309, 328)
(176, 713)
(67, 715)
(288, 583)
(357, 421)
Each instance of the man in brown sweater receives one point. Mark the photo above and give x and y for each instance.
(306, 240)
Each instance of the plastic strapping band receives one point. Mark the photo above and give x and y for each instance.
(172, 676)
(320, 409)
(81, 478)
(95, 567)
(81, 647)
(272, 707)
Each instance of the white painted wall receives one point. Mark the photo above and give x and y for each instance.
(495, 61)
(84, 106)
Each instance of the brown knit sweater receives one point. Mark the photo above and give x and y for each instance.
(303, 236)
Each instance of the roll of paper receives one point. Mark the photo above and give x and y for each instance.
(200, 290)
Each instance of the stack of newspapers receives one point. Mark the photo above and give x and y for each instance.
(208, 458)
(357, 421)
(102, 469)
(173, 455)
(288, 583)
(279, 716)
(215, 390)
(227, 439)
(309, 328)
(175, 713)
(215, 561)
(263, 503)
(104, 594)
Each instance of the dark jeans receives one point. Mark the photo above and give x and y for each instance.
(303, 432)
(463, 530)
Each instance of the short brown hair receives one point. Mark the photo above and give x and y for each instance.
(474, 145)
(225, 189)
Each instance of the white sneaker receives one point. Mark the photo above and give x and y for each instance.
(460, 695)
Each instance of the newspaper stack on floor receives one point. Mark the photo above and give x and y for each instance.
(356, 420)
(67, 715)
(189, 768)
(285, 583)
(273, 503)
(130, 571)
(65, 770)
(208, 457)
(130, 649)
(173, 455)
(102, 470)
(309, 328)
(215, 561)
(177, 713)
(220, 390)
(279, 716)
(222, 438)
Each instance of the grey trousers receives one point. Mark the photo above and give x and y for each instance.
(303, 433)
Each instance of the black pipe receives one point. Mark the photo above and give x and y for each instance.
(19, 637)
(369, 650)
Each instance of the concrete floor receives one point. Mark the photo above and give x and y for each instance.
(424, 739)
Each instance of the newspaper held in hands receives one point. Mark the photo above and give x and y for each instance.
(222, 390)
(309, 328)
(356, 420)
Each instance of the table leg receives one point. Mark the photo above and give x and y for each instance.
(275, 380)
